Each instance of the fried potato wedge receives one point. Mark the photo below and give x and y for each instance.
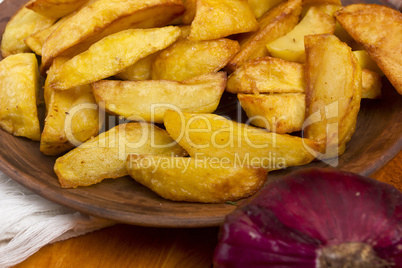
(189, 14)
(333, 92)
(24, 23)
(47, 89)
(72, 116)
(260, 7)
(344, 36)
(220, 18)
(274, 75)
(19, 86)
(267, 75)
(141, 70)
(366, 62)
(291, 46)
(279, 113)
(55, 8)
(148, 100)
(35, 41)
(102, 18)
(327, 8)
(104, 157)
(371, 84)
(273, 24)
(209, 135)
(379, 30)
(186, 59)
(111, 55)
(319, 2)
(194, 180)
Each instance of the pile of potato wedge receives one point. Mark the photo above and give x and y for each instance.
(299, 69)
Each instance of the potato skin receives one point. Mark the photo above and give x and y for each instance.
(267, 75)
(272, 25)
(261, 7)
(379, 29)
(141, 70)
(274, 75)
(186, 59)
(371, 85)
(55, 8)
(36, 40)
(220, 18)
(211, 135)
(333, 93)
(102, 18)
(279, 113)
(195, 180)
(129, 46)
(291, 46)
(104, 156)
(19, 87)
(24, 23)
(72, 117)
(148, 100)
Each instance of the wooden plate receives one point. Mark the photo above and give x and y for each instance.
(377, 140)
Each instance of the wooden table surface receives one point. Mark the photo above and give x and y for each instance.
(133, 246)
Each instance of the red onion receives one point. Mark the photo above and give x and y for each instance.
(315, 218)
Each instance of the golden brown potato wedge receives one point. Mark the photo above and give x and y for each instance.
(189, 14)
(379, 30)
(333, 92)
(260, 7)
(285, 112)
(19, 86)
(24, 23)
(55, 8)
(209, 135)
(343, 35)
(57, 63)
(273, 24)
(102, 18)
(371, 84)
(35, 41)
(274, 75)
(220, 18)
(148, 100)
(267, 75)
(291, 46)
(195, 180)
(141, 70)
(366, 62)
(186, 59)
(111, 55)
(72, 118)
(327, 8)
(104, 157)
(319, 2)
(279, 113)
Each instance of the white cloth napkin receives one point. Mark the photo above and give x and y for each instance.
(28, 222)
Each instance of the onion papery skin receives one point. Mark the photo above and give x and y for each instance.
(290, 220)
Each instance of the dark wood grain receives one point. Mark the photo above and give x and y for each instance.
(131, 246)
(134, 246)
(377, 140)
